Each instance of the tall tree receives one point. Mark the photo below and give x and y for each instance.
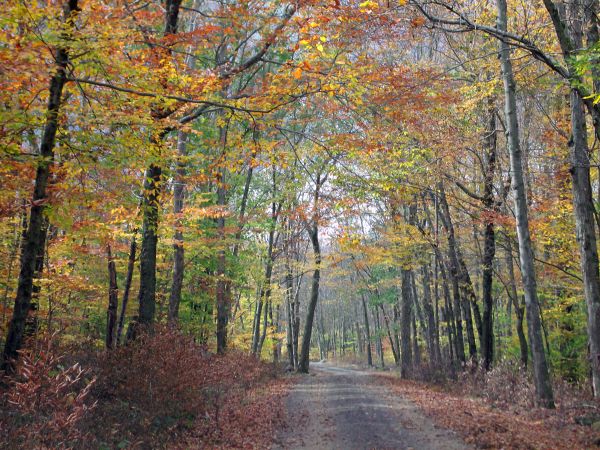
(34, 239)
(543, 385)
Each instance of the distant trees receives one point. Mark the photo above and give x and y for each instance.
(325, 176)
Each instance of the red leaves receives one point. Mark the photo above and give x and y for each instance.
(47, 402)
(500, 425)
(161, 390)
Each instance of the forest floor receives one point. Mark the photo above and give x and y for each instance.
(355, 408)
(503, 424)
(343, 408)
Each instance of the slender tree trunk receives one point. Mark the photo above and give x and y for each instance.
(20, 233)
(223, 306)
(543, 386)
(389, 333)
(178, 250)
(290, 326)
(314, 297)
(265, 327)
(406, 356)
(453, 313)
(314, 294)
(113, 302)
(583, 202)
(127, 287)
(519, 307)
(238, 235)
(396, 329)
(367, 331)
(277, 329)
(432, 341)
(265, 294)
(487, 329)
(415, 343)
(379, 340)
(459, 284)
(35, 238)
(296, 309)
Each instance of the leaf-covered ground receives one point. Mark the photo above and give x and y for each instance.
(485, 425)
(161, 391)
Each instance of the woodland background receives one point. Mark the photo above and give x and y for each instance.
(409, 183)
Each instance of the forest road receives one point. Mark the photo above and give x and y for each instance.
(341, 408)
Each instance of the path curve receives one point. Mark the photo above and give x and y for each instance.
(342, 408)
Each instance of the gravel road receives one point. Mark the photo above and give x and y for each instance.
(341, 408)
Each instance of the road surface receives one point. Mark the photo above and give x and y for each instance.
(341, 408)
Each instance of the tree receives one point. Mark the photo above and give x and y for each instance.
(540, 366)
(34, 239)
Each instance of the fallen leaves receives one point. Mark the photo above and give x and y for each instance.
(486, 426)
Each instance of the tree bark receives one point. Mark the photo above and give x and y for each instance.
(487, 329)
(586, 233)
(406, 313)
(314, 297)
(150, 206)
(543, 386)
(519, 308)
(459, 283)
(314, 293)
(389, 333)
(433, 344)
(367, 331)
(127, 287)
(265, 294)
(113, 302)
(223, 305)
(178, 250)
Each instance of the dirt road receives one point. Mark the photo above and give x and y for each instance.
(340, 408)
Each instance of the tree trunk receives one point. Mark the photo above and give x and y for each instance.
(406, 310)
(314, 297)
(389, 333)
(223, 305)
(586, 233)
(519, 308)
(543, 386)
(433, 345)
(265, 294)
(265, 327)
(487, 328)
(178, 250)
(314, 293)
(127, 288)
(113, 302)
(415, 343)
(379, 340)
(459, 283)
(35, 238)
(367, 331)
(290, 327)
(150, 205)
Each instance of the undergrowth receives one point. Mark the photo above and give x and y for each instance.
(159, 391)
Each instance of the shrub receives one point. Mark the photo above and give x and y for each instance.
(45, 404)
(160, 390)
